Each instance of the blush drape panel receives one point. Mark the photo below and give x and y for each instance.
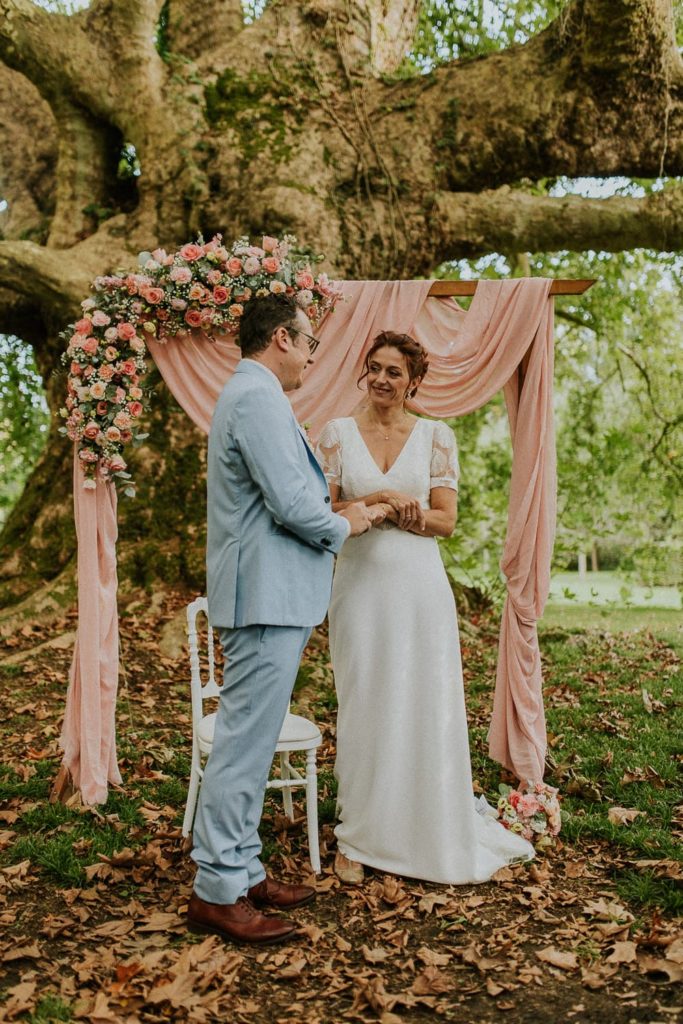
(504, 341)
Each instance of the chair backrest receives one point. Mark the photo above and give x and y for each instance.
(200, 691)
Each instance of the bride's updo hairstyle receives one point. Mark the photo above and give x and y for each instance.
(417, 360)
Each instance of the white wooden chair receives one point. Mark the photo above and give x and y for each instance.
(297, 733)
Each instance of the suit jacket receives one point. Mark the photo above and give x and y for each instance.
(271, 532)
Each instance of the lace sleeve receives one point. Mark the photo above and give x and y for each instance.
(444, 470)
(329, 453)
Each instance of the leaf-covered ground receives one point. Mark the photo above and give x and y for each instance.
(92, 901)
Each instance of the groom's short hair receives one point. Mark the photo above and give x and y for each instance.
(262, 315)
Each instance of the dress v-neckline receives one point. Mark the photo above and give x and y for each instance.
(372, 457)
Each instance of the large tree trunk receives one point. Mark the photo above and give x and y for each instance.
(294, 124)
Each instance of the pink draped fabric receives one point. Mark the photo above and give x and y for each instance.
(504, 341)
(88, 733)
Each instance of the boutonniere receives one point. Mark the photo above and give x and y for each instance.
(304, 428)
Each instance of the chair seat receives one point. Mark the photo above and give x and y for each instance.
(296, 732)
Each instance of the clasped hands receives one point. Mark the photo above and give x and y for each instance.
(400, 509)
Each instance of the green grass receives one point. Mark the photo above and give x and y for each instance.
(611, 589)
(664, 622)
(50, 1008)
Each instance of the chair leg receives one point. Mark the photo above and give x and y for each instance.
(312, 810)
(191, 804)
(286, 790)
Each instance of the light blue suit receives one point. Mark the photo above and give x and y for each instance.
(270, 546)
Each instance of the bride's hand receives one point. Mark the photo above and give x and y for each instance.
(378, 513)
(408, 510)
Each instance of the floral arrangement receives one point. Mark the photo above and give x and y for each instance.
(203, 286)
(533, 811)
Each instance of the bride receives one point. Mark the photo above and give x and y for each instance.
(405, 797)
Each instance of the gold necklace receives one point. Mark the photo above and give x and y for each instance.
(381, 430)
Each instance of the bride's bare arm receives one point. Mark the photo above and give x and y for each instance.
(440, 519)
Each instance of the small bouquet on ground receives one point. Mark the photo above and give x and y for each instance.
(532, 811)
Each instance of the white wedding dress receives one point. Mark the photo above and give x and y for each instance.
(405, 799)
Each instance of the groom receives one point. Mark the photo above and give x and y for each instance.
(271, 541)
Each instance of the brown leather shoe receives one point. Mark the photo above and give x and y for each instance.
(280, 895)
(239, 921)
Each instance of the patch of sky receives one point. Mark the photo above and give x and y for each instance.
(62, 6)
(252, 10)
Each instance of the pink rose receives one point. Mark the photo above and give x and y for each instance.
(252, 265)
(111, 353)
(85, 455)
(77, 416)
(90, 345)
(269, 244)
(191, 252)
(131, 285)
(83, 326)
(235, 309)
(111, 334)
(159, 255)
(207, 317)
(120, 396)
(128, 367)
(126, 436)
(528, 805)
(91, 430)
(304, 279)
(178, 304)
(181, 275)
(102, 408)
(278, 287)
(100, 319)
(271, 264)
(126, 331)
(88, 372)
(197, 291)
(117, 464)
(220, 294)
(98, 390)
(222, 253)
(234, 267)
(106, 372)
(214, 277)
(113, 434)
(135, 408)
(513, 798)
(135, 393)
(153, 295)
(122, 420)
(193, 318)
(138, 345)
(76, 369)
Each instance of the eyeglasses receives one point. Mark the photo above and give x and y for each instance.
(312, 342)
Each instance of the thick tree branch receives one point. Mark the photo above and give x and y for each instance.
(554, 106)
(470, 224)
(56, 281)
(187, 32)
(28, 155)
(56, 53)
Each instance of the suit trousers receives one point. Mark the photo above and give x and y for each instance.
(260, 668)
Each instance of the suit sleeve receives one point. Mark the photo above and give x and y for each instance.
(268, 438)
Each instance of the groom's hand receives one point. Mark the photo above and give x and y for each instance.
(358, 516)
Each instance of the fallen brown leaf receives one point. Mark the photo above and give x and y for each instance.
(558, 958)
